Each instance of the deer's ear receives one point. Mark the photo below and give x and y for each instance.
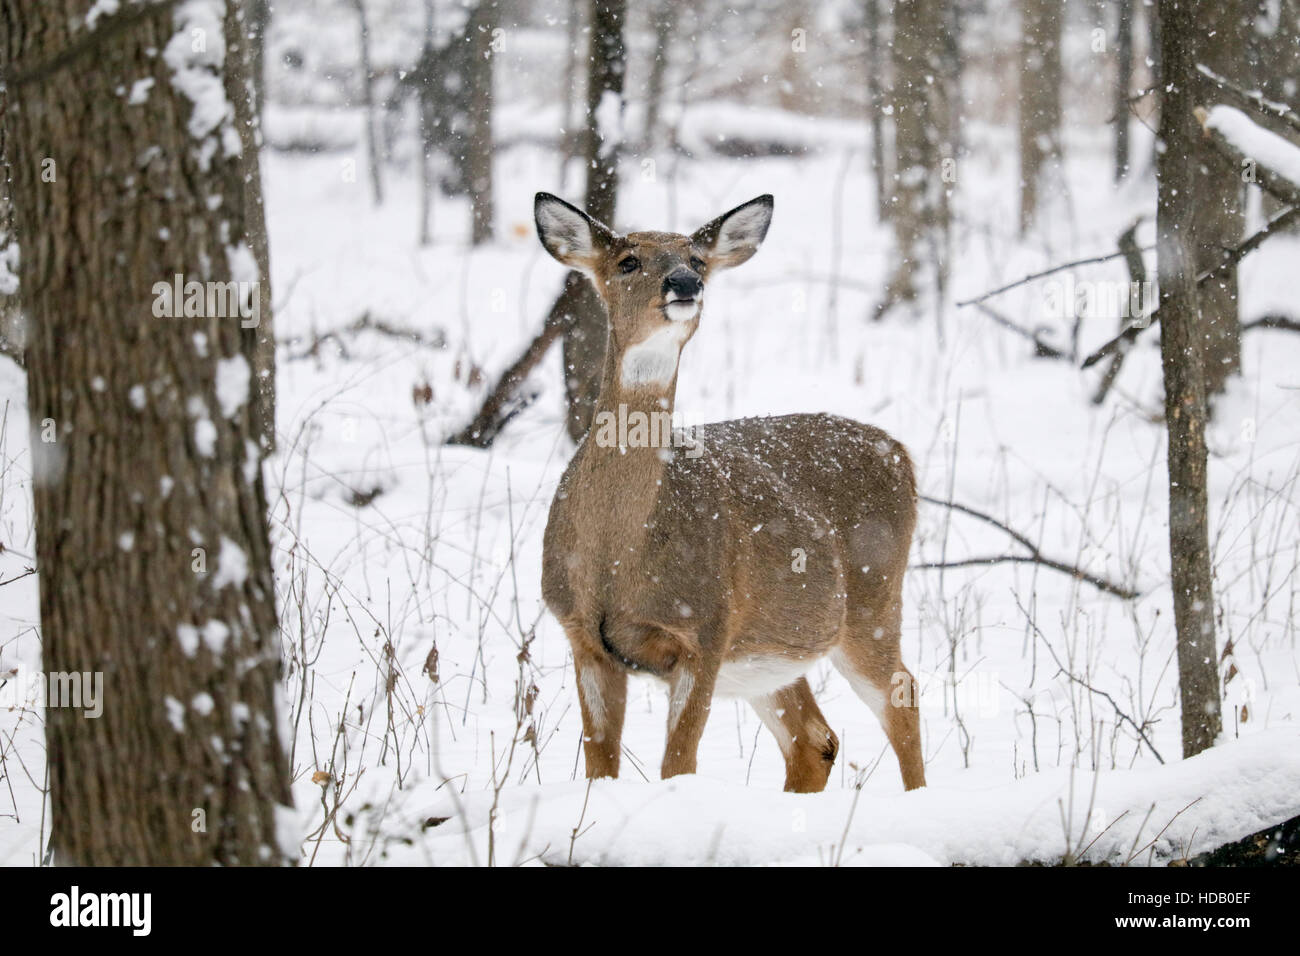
(568, 233)
(734, 236)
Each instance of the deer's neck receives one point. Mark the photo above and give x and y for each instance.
(625, 451)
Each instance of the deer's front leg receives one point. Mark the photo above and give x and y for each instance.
(602, 694)
(688, 710)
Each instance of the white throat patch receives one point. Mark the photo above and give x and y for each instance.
(654, 361)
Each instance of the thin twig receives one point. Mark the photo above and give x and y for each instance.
(1041, 349)
(1164, 828)
(1046, 272)
(1086, 686)
(1272, 322)
(1035, 556)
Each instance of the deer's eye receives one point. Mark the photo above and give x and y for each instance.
(629, 265)
(697, 263)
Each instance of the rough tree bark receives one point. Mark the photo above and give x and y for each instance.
(1040, 101)
(584, 340)
(482, 21)
(151, 529)
(368, 100)
(245, 93)
(1123, 80)
(918, 193)
(12, 335)
(1183, 361)
(424, 75)
(953, 65)
(568, 139)
(663, 19)
(876, 104)
(259, 22)
(1220, 220)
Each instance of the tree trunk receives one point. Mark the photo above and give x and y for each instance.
(1151, 13)
(1220, 221)
(663, 19)
(918, 191)
(568, 139)
(482, 21)
(1040, 101)
(607, 63)
(1123, 81)
(368, 100)
(259, 339)
(12, 334)
(424, 78)
(259, 21)
(151, 529)
(953, 65)
(584, 341)
(876, 105)
(1183, 360)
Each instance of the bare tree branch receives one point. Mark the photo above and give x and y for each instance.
(365, 323)
(1230, 259)
(1033, 277)
(1272, 322)
(501, 403)
(1035, 556)
(1042, 349)
(1137, 273)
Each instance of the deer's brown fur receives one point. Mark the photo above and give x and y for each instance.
(733, 562)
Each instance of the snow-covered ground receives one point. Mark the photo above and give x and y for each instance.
(1032, 682)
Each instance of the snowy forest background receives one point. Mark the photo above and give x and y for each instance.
(922, 155)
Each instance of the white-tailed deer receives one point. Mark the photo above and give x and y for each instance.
(731, 562)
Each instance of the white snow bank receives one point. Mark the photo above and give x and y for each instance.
(311, 128)
(706, 125)
(1233, 790)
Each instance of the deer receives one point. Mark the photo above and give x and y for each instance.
(731, 563)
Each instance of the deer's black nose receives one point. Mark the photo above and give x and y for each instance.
(683, 283)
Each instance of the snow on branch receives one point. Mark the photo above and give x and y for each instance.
(1254, 98)
(1272, 161)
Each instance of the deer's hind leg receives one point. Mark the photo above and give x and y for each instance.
(869, 658)
(602, 696)
(806, 740)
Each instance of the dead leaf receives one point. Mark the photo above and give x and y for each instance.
(431, 664)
